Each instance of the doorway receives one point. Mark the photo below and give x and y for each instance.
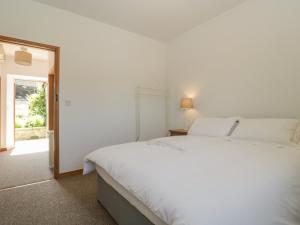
(32, 126)
(30, 109)
(31, 131)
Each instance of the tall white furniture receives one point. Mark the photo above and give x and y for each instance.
(150, 113)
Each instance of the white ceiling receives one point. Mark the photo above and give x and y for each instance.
(40, 54)
(159, 19)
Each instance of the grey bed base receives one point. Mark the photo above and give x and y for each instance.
(118, 207)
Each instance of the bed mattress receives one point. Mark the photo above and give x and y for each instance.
(129, 197)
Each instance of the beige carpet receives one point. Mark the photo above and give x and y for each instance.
(68, 201)
(27, 163)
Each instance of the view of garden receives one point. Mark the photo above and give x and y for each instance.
(31, 110)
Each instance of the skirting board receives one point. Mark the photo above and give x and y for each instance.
(6, 149)
(70, 173)
(3, 149)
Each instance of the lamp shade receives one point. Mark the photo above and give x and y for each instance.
(186, 103)
(22, 57)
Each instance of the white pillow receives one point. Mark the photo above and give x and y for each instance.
(217, 127)
(270, 130)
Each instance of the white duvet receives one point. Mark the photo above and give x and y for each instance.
(190, 180)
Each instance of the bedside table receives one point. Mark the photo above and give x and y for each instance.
(178, 132)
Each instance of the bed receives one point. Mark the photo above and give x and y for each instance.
(229, 171)
(199, 180)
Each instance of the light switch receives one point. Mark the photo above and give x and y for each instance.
(68, 103)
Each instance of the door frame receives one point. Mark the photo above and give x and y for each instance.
(56, 51)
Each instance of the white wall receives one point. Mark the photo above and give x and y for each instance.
(244, 62)
(101, 66)
(9, 113)
(1, 106)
